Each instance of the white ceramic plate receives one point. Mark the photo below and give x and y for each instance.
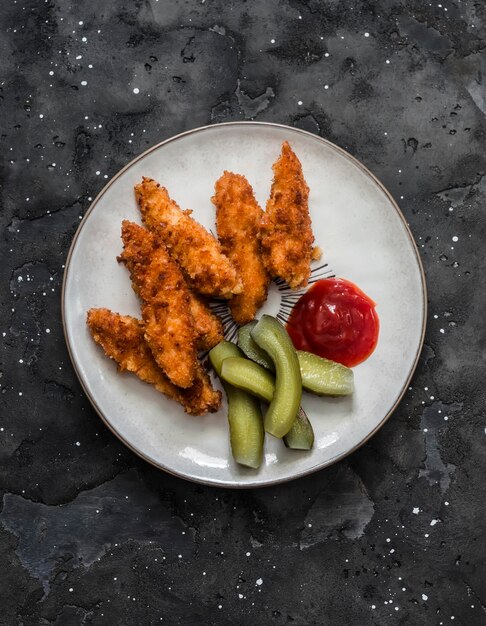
(364, 238)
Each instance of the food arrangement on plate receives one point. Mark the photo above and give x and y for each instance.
(176, 266)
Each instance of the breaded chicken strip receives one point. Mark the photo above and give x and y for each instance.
(286, 233)
(122, 339)
(238, 217)
(199, 254)
(165, 299)
(207, 325)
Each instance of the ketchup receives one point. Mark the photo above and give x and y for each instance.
(335, 320)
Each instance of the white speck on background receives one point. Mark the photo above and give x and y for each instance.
(366, 34)
(259, 581)
(415, 510)
(434, 522)
(84, 83)
(136, 90)
(455, 238)
(424, 597)
(84, 39)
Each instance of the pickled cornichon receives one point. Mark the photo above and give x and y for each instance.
(271, 336)
(251, 348)
(301, 435)
(244, 413)
(249, 376)
(325, 377)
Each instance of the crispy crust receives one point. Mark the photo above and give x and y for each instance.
(199, 254)
(208, 326)
(122, 339)
(286, 232)
(238, 217)
(165, 299)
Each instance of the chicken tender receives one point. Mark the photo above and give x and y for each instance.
(199, 254)
(286, 232)
(207, 325)
(165, 300)
(238, 217)
(122, 339)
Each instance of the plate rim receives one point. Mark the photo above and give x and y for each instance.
(318, 466)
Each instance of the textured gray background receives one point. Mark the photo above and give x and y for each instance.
(89, 534)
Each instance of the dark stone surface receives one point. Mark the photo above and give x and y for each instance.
(90, 534)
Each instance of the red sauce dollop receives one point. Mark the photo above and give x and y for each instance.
(335, 320)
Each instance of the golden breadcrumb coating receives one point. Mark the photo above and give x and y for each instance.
(122, 339)
(238, 217)
(164, 295)
(199, 254)
(207, 325)
(286, 232)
